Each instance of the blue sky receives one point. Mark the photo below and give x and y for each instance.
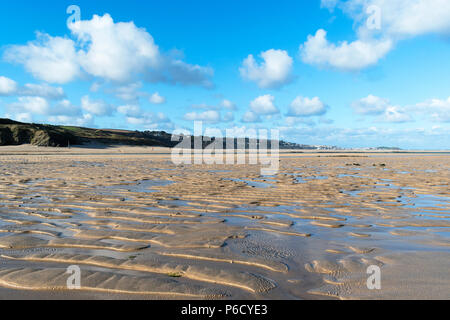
(355, 73)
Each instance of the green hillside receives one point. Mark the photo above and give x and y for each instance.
(17, 133)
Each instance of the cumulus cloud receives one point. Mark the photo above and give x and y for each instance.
(156, 98)
(129, 110)
(21, 117)
(228, 117)
(370, 105)
(32, 105)
(306, 107)
(274, 71)
(399, 19)
(437, 109)
(95, 87)
(250, 117)
(264, 105)
(96, 107)
(128, 92)
(84, 120)
(211, 116)
(329, 4)
(42, 90)
(151, 121)
(65, 108)
(317, 50)
(145, 120)
(205, 106)
(386, 112)
(433, 137)
(37, 100)
(396, 114)
(294, 121)
(227, 104)
(211, 113)
(7, 86)
(115, 51)
(52, 59)
(175, 71)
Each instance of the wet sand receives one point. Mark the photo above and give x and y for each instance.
(140, 227)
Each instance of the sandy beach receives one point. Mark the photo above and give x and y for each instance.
(140, 227)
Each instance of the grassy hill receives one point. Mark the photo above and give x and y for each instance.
(17, 133)
(44, 135)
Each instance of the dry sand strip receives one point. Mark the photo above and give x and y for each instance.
(194, 237)
(154, 220)
(262, 219)
(56, 279)
(24, 230)
(222, 257)
(131, 208)
(287, 233)
(16, 242)
(243, 280)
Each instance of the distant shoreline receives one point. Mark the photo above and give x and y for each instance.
(97, 149)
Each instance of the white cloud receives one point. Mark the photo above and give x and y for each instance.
(371, 105)
(402, 18)
(376, 106)
(147, 120)
(175, 71)
(294, 121)
(85, 120)
(211, 116)
(317, 50)
(250, 117)
(7, 86)
(114, 50)
(204, 106)
(52, 59)
(430, 138)
(65, 108)
(119, 52)
(396, 114)
(21, 117)
(97, 107)
(399, 19)
(306, 107)
(129, 110)
(95, 87)
(437, 109)
(128, 92)
(264, 105)
(228, 117)
(329, 4)
(273, 72)
(35, 105)
(156, 98)
(32, 105)
(227, 104)
(42, 90)
(417, 17)
(151, 121)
